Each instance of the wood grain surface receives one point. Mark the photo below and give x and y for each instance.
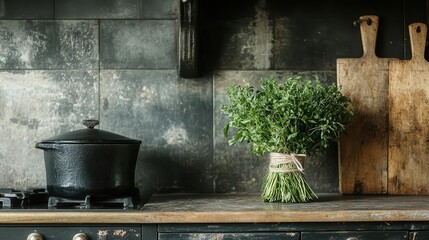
(363, 150)
(238, 208)
(409, 119)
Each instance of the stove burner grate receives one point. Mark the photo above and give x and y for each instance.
(39, 198)
(91, 202)
(7, 202)
(11, 198)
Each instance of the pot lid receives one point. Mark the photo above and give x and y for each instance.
(90, 135)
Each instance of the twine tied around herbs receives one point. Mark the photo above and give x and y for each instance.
(277, 159)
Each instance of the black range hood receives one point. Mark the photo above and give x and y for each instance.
(188, 44)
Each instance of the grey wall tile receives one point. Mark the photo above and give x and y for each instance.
(172, 117)
(243, 40)
(38, 44)
(131, 44)
(277, 35)
(235, 167)
(96, 9)
(26, 9)
(316, 39)
(242, 45)
(226, 10)
(155, 9)
(35, 105)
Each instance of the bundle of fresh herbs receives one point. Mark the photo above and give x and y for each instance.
(296, 117)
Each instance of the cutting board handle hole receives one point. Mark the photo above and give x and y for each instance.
(418, 29)
(369, 21)
(360, 20)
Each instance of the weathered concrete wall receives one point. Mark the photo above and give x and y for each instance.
(62, 61)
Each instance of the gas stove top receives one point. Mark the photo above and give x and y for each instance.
(14, 199)
(40, 199)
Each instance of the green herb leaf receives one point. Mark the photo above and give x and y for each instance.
(292, 116)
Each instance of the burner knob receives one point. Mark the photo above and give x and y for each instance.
(80, 236)
(34, 236)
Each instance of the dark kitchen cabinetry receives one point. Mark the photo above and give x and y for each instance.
(70, 232)
(356, 235)
(224, 232)
(298, 231)
(230, 236)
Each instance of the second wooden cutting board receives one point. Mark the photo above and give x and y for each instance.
(363, 150)
(409, 119)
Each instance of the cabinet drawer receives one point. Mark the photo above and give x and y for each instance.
(356, 235)
(67, 232)
(230, 236)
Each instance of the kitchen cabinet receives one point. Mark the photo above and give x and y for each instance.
(356, 235)
(228, 231)
(302, 231)
(70, 232)
(230, 236)
(225, 232)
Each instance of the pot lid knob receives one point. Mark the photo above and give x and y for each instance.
(90, 123)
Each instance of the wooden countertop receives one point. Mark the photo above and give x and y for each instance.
(239, 208)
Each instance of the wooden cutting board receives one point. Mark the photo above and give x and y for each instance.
(363, 150)
(409, 119)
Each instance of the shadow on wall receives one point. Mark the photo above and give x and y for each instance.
(158, 172)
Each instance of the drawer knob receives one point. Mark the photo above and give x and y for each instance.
(34, 236)
(80, 236)
(352, 238)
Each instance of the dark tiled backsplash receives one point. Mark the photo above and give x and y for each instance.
(60, 64)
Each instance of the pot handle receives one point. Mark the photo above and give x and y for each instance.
(90, 123)
(45, 146)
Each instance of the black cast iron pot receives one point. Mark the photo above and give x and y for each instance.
(90, 162)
